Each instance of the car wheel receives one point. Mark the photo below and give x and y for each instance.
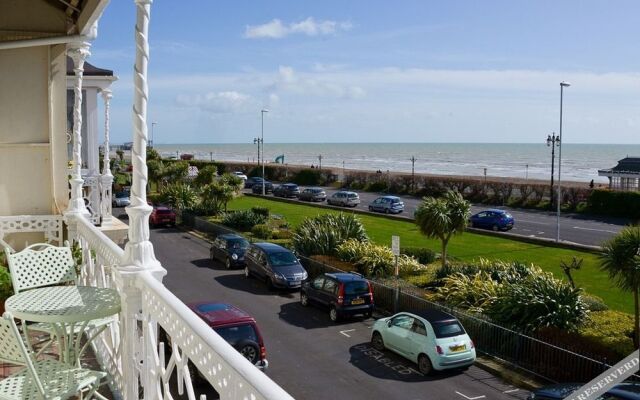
(227, 264)
(377, 342)
(370, 208)
(304, 299)
(386, 211)
(269, 283)
(247, 273)
(424, 365)
(368, 314)
(473, 225)
(333, 314)
(249, 350)
(495, 228)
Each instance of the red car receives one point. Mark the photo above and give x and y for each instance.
(235, 326)
(162, 216)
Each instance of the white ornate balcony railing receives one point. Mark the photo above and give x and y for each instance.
(50, 225)
(230, 374)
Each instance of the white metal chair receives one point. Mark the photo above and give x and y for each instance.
(41, 379)
(41, 265)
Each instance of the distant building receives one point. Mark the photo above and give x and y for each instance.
(625, 175)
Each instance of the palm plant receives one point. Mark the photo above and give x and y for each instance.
(218, 193)
(443, 217)
(621, 260)
(180, 196)
(206, 175)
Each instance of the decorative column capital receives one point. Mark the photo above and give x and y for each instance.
(79, 52)
(107, 94)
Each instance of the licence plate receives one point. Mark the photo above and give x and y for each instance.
(294, 283)
(455, 349)
(357, 301)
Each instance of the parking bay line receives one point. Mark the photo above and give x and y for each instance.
(471, 398)
(593, 229)
(345, 332)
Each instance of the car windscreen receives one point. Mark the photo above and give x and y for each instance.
(164, 212)
(122, 195)
(356, 287)
(282, 258)
(447, 329)
(237, 244)
(352, 195)
(234, 334)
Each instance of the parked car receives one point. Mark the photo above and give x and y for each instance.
(229, 249)
(235, 326)
(497, 220)
(344, 294)
(344, 198)
(387, 204)
(433, 339)
(313, 194)
(274, 264)
(257, 188)
(121, 199)
(623, 391)
(240, 175)
(162, 215)
(254, 180)
(287, 190)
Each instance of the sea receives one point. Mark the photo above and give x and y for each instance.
(580, 162)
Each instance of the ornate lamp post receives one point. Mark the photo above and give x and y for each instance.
(552, 141)
(262, 141)
(257, 141)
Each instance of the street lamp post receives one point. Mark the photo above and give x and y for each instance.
(413, 173)
(153, 124)
(257, 141)
(563, 84)
(262, 141)
(320, 162)
(552, 141)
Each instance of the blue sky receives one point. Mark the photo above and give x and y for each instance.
(380, 71)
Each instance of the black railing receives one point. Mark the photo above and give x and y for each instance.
(533, 355)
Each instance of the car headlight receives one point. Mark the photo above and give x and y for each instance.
(279, 276)
(304, 276)
(234, 256)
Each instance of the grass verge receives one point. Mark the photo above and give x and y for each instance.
(466, 247)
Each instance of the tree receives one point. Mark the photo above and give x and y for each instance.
(219, 192)
(176, 171)
(621, 260)
(180, 196)
(156, 169)
(120, 154)
(206, 175)
(443, 217)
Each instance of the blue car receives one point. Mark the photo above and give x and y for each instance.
(496, 220)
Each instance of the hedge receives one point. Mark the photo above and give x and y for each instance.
(614, 203)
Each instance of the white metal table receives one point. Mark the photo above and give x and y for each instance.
(69, 309)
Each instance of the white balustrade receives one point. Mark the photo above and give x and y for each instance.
(193, 342)
(50, 225)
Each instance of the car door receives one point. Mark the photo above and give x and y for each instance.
(263, 264)
(416, 340)
(313, 291)
(481, 219)
(376, 205)
(328, 291)
(253, 262)
(397, 332)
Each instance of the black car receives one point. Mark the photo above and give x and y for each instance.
(313, 194)
(274, 264)
(623, 391)
(229, 250)
(344, 294)
(251, 181)
(257, 188)
(287, 190)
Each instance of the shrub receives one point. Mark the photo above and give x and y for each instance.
(615, 203)
(262, 231)
(613, 329)
(423, 255)
(260, 210)
(538, 301)
(282, 234)
(322, 234)
(474, 292)
(500, 271)
(6, 288)
(594, 303)
(377, 186)
(243, 220)
(352, 250)
(408, 265)
(308, 177)
(423, 280)
(369, 259)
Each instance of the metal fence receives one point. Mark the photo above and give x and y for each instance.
(527, 353)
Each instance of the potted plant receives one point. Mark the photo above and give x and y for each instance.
(6, 288)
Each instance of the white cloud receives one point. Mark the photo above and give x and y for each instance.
(275, 29)
(216, 102)
(315, 84)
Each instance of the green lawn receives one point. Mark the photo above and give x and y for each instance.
(468, 246)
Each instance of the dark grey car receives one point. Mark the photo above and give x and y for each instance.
(313, 194)
(229, 249)
(275, 265)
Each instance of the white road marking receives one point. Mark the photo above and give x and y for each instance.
(471, 398)
(532, 222)
(592, 229)
(345, 332)
(511, 391)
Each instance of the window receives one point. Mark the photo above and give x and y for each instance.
(237, 244)
(356, 287)
(447, 329)
(282, 258)
(419, 328)
(317, 283)
(329, 286)
(402, 321)
(234, 334)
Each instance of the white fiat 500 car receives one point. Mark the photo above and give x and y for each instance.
(433, 339)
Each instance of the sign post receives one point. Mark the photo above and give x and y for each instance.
(395, 249)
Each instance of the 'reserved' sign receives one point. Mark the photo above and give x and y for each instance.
(608, 379)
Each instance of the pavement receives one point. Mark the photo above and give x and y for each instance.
(576, 228)
(310, 356)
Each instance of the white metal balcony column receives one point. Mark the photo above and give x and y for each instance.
(106, 178)
(78, 51)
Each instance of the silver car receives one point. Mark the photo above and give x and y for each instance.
(121, 199)
(344, 198)
(313, 194)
